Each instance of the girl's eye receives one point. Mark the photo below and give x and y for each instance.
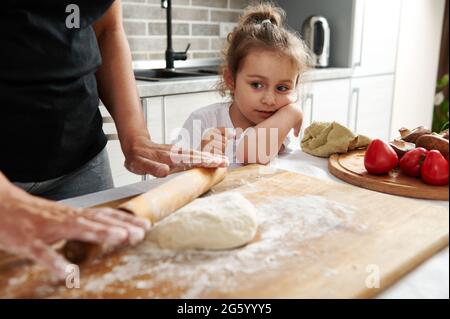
(282, 88)
(256, 85)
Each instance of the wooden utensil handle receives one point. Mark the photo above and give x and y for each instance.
(154, 205)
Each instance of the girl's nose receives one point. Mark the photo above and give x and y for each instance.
(268, 99)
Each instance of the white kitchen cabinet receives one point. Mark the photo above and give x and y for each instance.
(177, 109)
(306, 105)
(325, 101)
(330, 100)
(376, 26)
(364, 33)
(154, 113)
(164, 116)
(371, 106)
(364, 37)
(120, 174)
(418, 63)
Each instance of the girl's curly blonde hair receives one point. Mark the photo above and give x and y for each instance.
(254, 31)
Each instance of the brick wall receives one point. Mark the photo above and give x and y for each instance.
(203, 23)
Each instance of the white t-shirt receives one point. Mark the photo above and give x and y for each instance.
(211, 116)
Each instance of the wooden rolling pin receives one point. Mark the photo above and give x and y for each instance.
(154, 205)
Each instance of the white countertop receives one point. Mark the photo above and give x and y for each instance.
(429, 280)
(208, 83)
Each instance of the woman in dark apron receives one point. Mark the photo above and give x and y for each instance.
(57, 59)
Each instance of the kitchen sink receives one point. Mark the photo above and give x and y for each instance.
(177, 74)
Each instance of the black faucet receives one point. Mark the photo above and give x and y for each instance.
(171, 55)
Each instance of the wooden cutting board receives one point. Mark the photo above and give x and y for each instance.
(315, 239)
(349, 167)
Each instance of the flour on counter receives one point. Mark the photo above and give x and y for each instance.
(285, 225)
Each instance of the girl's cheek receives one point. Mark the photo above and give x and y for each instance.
(288, 99)
(293, 97)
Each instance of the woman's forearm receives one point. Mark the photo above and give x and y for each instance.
(4, 183)
(117, 86)
(115, 78)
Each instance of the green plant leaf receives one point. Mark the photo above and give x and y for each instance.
(444, 108)
(440, 116)
(444, 127)
(442, 82)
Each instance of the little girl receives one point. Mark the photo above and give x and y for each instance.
(263, 63)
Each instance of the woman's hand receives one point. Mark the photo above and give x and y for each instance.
(117, 89)
(30, 225)
(146, 157)
(215, 140)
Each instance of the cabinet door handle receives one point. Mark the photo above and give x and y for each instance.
(308, 108)
(359, 62)
(144, 109)
(353, 112)
(164, 120)
(112, 137)
(145, 114)
(312, 108)
(107, 119)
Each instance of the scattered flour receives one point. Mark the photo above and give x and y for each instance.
(285, 224)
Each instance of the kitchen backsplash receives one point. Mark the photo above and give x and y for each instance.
(202, 23)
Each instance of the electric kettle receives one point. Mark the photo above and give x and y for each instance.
(316, 33)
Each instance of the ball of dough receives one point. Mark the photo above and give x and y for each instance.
(217, 222)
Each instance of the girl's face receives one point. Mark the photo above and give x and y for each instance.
(265, 83)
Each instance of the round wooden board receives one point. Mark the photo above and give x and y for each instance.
(349, 167)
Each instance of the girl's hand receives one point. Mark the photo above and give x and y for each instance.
(142, 156)
(215, 140)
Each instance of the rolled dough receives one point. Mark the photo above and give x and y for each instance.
(217, 222)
